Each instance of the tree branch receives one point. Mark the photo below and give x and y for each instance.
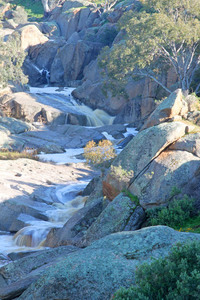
(146, 74)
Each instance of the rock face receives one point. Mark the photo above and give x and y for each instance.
(72, 232)
(105, 266)
(71, 59)
(114, 218)
(31, 36)
(172, 107)
(143, 149)
(170, 169)
(16, 277)
(139, 105)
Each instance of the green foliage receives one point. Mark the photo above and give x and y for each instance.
(175, 191)
(33, 8)
(99, 153)
(191, 225)
(174, 277)
(108, 36)
(131, 196)
(19, 15)
(161, 35)
(11, 61)
(177, 212)
(121, 174)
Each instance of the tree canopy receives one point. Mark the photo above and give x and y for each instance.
(163, 34)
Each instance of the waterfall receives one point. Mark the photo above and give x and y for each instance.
(35, 234)
(44, 72)
(62, 99)
(36, 68)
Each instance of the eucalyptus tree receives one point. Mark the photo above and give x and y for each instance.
(163, 34)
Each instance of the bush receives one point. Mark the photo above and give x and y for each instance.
(175, 277)
(20, 15)
(11, 61)
(121, 174)
(98, 153)
(174, 215)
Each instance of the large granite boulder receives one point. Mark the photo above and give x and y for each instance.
(17, 276)
(109, 263)
(189, 143)
(139, 153)
(44, 109)
(71, 59)
(74, 229)
(170, 169)
(120, 214)
(171, 107)
(31, 36)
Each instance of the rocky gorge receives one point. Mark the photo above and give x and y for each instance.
(68, 230)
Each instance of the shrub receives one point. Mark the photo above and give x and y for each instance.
(174, 215)
(6, 154)
(11, 61)
(174, 277)
(98, 153)
(20, 15)
(121, 174)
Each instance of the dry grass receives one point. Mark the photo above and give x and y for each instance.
(6, 154)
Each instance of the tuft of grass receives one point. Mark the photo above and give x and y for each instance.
(131, 196)
(191, 225)
(6, 154)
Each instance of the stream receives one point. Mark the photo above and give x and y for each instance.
(32, 236)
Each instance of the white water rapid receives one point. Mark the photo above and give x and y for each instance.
(62, 99)
(32, 236)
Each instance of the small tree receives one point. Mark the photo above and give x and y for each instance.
(99, 153)
(163, 34)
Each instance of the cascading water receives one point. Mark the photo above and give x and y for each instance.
(31, 237)
(35, 234)
(44, 73)
(61, 98)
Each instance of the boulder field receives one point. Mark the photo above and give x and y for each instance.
(67, 46)
(101, 245)
(157, 160)
(95, 272)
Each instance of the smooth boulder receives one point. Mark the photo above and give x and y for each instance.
(109, 263)
(170, 169)
(139, 152)
(114, 218)
(168, 109)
